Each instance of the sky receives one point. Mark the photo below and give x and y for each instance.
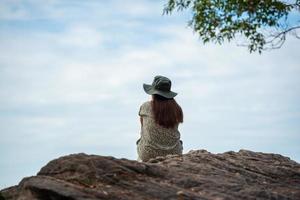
(71, 75)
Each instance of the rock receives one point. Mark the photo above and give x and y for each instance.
(196, 175)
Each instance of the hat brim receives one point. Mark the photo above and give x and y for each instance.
(151, 90)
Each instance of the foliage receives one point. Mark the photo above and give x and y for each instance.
(262, 23)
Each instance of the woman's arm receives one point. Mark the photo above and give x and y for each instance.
(141, 119)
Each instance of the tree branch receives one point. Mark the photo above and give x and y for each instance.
(277, 40)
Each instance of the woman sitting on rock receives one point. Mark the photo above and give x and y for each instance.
(159, 118)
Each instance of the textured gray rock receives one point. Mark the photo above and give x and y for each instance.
(195, 175)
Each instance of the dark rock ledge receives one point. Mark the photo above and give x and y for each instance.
(195, 175)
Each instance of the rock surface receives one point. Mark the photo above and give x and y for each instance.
(195, 175)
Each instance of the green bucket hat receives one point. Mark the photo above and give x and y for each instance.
(162, 86)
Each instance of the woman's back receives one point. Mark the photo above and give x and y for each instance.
(159, 127)
(155, 135)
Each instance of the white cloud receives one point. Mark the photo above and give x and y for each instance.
(67, 11)
(137, 8)
(81, 37)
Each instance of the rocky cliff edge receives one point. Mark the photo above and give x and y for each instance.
(195, 175)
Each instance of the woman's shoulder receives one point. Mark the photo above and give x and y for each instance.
(145, 108)
(146, 104)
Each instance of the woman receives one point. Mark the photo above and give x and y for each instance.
(159, 118)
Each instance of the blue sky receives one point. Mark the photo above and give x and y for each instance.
(71, 75)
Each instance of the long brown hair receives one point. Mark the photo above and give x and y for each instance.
(167, 112)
